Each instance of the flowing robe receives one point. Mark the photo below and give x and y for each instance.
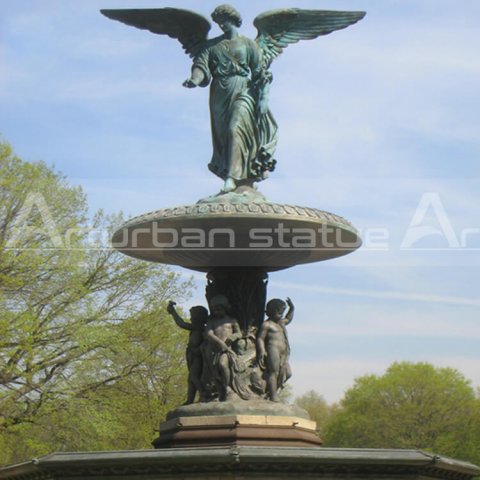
(243, 140)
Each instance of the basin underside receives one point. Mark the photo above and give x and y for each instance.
(208, 235)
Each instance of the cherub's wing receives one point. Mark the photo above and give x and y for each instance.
(190, 28)
(279, 28)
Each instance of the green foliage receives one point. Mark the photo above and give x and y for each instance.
(318, 409)
(88, 358)
(410, 406)
(285, 394)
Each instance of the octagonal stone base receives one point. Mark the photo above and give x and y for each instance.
(267, 463)
(235, 430)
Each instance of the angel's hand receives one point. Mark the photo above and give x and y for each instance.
(189, 83)
(289, 302)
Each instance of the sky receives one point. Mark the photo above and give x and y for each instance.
(378, 123)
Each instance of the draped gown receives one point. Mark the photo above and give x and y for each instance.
(243, 140)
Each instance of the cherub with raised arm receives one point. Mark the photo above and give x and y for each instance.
(196, 327)
(273, 349)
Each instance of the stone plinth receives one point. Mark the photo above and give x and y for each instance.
(243, 462)
(263, 408)
(234, 430)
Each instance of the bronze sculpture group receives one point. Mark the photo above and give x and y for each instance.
(233, 351)
(244, 132)
(225, 363)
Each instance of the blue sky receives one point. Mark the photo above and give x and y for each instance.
(378, 123)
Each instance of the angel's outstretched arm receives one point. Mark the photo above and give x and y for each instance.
(196, 78)
(200, 75)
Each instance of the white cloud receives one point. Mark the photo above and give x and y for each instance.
(126, 89)
(380, 321)
(109, 46)
(333, 376)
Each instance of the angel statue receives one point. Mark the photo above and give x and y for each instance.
(244, 132)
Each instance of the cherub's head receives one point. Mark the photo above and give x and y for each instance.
(225, 16)
(219, 305)
(198, 316)
(275, 308)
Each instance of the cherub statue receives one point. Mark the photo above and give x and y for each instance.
(196, 327)
(273, 349)
(244, 132)
(222, 332)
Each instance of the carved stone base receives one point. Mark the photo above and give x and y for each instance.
(234, 430)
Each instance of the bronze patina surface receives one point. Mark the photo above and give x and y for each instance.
(244, 132)
(257, 234)
(238, 350)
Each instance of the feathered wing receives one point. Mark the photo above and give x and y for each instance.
(190, 28)
(279, 28)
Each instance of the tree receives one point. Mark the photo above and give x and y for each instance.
(83, 329)
(410, 406)
(318, 409)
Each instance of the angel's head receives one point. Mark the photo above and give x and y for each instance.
(226, 14)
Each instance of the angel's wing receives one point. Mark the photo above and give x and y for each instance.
(190, 28)
(279, 28)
